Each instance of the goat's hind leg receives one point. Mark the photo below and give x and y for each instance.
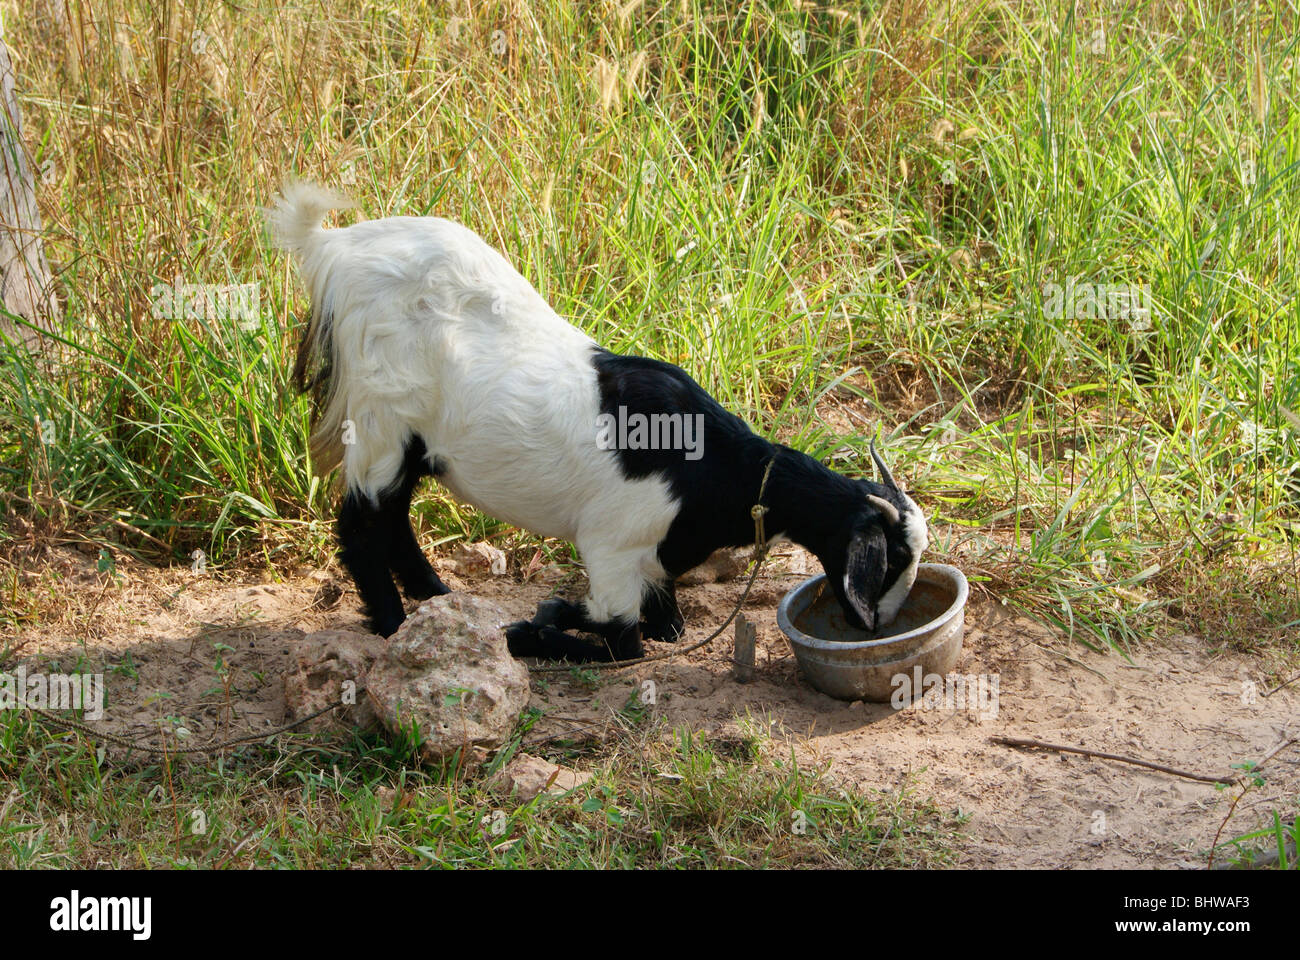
(405, 558)
(365, 535)
(377, 541)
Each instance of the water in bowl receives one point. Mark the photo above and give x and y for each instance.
(824, 619)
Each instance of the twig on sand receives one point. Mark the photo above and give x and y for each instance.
(580, 726)
(1285, 683)
(1060, 748)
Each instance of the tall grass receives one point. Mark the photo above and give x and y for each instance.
(834, 218)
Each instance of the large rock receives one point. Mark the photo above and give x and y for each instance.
(447, 670)
(329, 664)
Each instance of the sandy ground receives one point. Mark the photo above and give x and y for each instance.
(158, 634)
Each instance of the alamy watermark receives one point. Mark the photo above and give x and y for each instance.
(976, 693)
(21, 690)
(75, 913)
(207, 301)
(1080, 300)
(655, 431)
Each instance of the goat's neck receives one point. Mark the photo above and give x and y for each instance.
(805, 501)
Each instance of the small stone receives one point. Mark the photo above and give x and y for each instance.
(478, 560)
(324, 663)
(800, 562)
(526, 776)
(549, 573)
(721, 566)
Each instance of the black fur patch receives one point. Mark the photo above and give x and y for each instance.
(807, 502)
(377, 542)
(866, 570)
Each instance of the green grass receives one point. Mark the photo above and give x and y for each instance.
(808, 211)
(1273, 847)
(658, 800)
(834, 221)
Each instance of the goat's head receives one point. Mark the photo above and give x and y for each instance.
(873, 567)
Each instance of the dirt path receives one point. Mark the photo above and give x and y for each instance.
(1174, 704)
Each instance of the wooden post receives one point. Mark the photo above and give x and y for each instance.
(26, 287)
(742, 656)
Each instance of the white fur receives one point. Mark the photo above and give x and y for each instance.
(435, 334)
(917, 540)
(886, 609)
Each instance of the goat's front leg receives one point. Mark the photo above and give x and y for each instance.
(546, 635)
(611, 612)
(619, 641)
(365, 540)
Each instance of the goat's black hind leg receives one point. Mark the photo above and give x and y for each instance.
(365, 535)
(663, 618)
(377, 538)
(405, 558)
(408, 562)
(411, 566)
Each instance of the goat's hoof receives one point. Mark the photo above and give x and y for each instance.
(664, 633)
(433, 587)
(549, 612)
(387, 626)
(523, 639)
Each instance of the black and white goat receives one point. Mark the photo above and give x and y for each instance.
(435, 356)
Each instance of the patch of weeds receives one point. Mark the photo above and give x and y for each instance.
(1273, 847)
(365, 801)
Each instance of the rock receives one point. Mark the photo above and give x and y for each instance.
(478, 560)
(547, 573)
(800, 562)
(526, 776)
(722, 565)
(325, 661)
(447, 670)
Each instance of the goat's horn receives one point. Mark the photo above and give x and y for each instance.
(884, 470)
(884, 506)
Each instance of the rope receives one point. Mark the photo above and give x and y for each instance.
(758, 512)
(149, 748)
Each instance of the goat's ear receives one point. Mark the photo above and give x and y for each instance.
(864, 573)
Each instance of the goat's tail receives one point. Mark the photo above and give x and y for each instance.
(295, 217)
(295, 224)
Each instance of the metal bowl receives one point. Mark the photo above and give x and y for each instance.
(853, 664)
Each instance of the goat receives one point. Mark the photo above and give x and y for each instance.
(433, 356)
